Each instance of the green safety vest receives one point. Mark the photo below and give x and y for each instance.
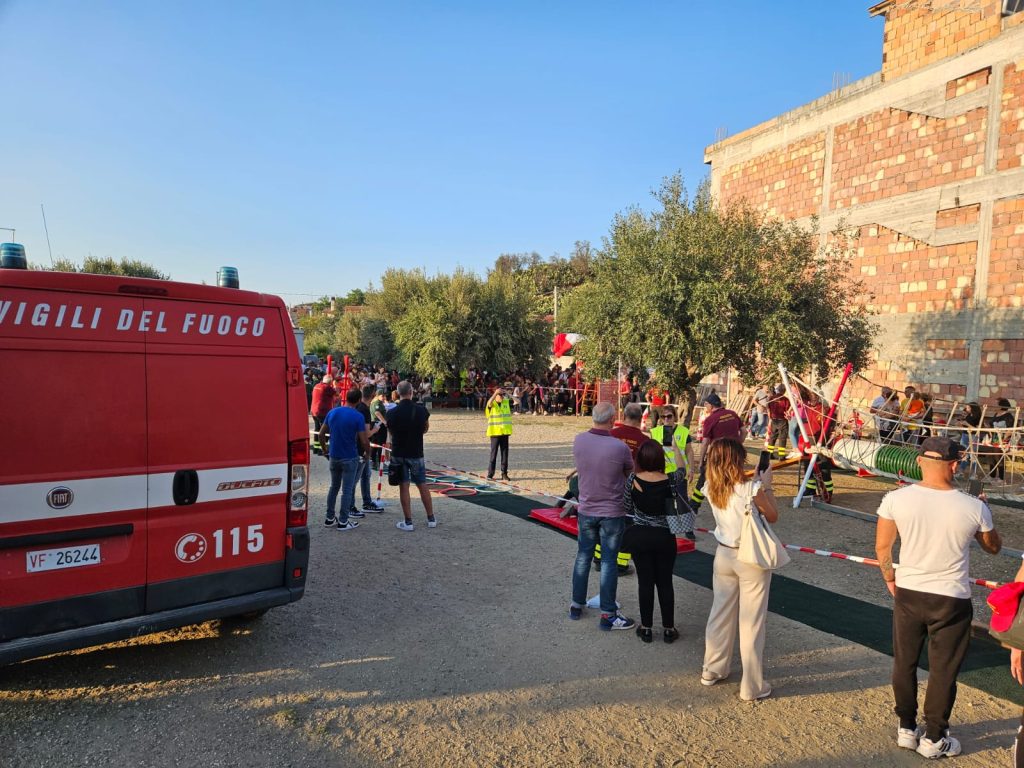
(679, 437)
(499, 418)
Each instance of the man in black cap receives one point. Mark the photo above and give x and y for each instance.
(935, 522)
(719, 421)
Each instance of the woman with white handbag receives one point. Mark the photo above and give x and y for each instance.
(740, 588)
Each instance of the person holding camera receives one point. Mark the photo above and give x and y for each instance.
(408, 422)
(499, 428)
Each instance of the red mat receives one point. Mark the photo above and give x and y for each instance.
(568, 524)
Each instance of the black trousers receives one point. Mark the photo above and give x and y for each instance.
(778, 435)
(498, 441)
(822, 466)
(945, 622)
(654, 555)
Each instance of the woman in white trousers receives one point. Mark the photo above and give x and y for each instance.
(740, 590)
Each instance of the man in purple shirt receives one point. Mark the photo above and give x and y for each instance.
(603, 462)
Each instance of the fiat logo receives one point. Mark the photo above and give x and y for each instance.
(60, 498)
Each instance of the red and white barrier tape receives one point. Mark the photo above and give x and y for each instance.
(861, 560)
(380, 470)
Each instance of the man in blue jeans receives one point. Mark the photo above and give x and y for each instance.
(348, 438)
(603, 462)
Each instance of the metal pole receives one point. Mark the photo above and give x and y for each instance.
(46, 229)
(824, 431)
(835, 403)
(794, 403)
(556, 309)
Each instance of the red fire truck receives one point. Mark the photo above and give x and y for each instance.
(155, 458)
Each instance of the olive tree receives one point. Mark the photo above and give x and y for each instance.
(692, 288)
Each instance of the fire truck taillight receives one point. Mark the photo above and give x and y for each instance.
(298, 471)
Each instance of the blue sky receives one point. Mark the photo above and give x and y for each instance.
(313, 145)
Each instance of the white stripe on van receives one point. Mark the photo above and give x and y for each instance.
(225, 483)
(20, 502)
(95, 495)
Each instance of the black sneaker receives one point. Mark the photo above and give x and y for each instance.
(349, 526)
(329, 521)
(356, 513)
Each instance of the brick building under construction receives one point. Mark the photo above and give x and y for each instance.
(926, 159)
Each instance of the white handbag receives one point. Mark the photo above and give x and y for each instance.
(758, 543)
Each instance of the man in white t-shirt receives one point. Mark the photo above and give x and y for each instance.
(932, 594)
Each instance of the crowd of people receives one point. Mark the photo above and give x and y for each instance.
(558, 391)
(639, 482)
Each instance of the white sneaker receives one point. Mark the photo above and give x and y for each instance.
(432, 523)
(947, 746)
(707, 679)
(908, 739)
(404, 526)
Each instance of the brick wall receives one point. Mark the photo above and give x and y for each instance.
(1011, 118)
(1006, 261)
(919, 33)
(900, 158)
(945, 349)
(891, 374)
(961, 86)
(785, 182)
(1002, 370)
(906, 275)
(957, 217)
(892, 152)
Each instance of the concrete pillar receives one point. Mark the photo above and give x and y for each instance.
(826, 179)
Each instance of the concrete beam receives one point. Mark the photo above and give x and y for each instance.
(995, 103)
(933, 102)
(912, 212)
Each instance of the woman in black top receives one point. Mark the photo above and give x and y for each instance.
(648, 497)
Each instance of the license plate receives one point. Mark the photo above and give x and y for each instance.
(65, 557)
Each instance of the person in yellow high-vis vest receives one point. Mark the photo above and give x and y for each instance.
(499, 427)
(674, 439)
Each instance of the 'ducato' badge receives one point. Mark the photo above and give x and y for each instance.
(60, 498)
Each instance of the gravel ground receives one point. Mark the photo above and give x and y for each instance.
(450, 647)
